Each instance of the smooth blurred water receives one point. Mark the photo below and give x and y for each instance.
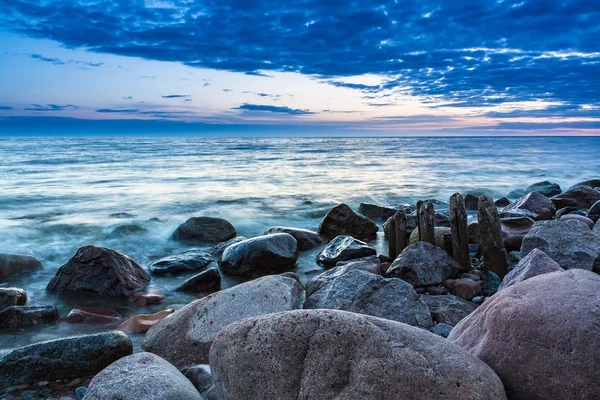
(58, 194)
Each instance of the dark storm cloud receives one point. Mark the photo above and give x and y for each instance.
(51, 107)
(466, 53)
(273, 109)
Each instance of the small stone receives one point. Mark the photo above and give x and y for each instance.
(93, 316)
(491, 283)
(477, 299)
(442, 329)
(189, 261)
(80, 392)
(143, 322)
(467, 288)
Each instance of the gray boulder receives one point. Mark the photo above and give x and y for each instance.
(141, 376)
(306, 239)
(534, 205)
(594, 213)
(539, 336)
(99, 270)
(342, 220)
(546, 188)
(64, 358)
(217, 250)
(12, 297)
(331, 354)
(448, 309)
(204, 230)
(570, 243)
(261, 255)
(369, 264)
(184, 337)
(581, 197)
(189, 261)
(366, 293)
(577, 217)
(15, 317)
(533, 264)
(423, 264)
(11, 264)
(204, 282)
(344, 248)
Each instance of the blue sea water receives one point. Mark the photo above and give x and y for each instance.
(60, 193)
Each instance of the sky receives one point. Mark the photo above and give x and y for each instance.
(310, 67)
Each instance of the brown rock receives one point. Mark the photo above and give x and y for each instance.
(93, 316)
(533, 264)
(473, 230)
(11, 264)
(146, 299)
(534, 205)
(342, 220)
(141, 323)
(514, 230)
(467, 288)
(490, 234)
(12, 297)
(581, 197)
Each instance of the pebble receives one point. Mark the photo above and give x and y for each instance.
(477, 299)
(80, 392)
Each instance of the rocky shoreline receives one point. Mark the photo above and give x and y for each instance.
(504, 307)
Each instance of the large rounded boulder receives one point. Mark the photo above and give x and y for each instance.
(540, 336)
(330, 354)
(533, 264)
(11, 264)
(306, 239)
(204, 230)
(546, 188)
(342, 220)
(99, 270)
(581, 197)
(534, 205)
(261, 255)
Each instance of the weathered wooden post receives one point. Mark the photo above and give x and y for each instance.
(392, 240)
(490, 236)
(401, 231)
(426, 220)
(460, 233)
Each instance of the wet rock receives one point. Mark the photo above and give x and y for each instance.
(594, 213)
(141, 376)
(204, 282)
(566, 211)
(491, 283)
(471, 202)
(261, 255)
(533, 264)
(344, 248)
(93, 316)
(514, 230)
(63, 358)
(545, 188)
(100, 270)
(467, 288)
(448, 309)
(185, 337)
(575, 217)
(141, 323)
(534, 205)
(189, 261)
(442, 330)
(439, 233)
(121, 215)
(204, 230)
(473, 230)
(327, 354)
(502, 202)
(581, 197)
(570, 243)
(597, 227)
(127, 230)
(11, 264)
(537, 336)
(306, 239)
(200, 376)
(515, 194)
(376, 211)
(591, 183)
(217, 250)
(342, 220)
(146, 299)
(15, 317)
(12, 297)
(369, 264)
(366, 293)
(423, 264)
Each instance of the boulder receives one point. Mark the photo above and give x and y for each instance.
(423, 264)
(366, 293)
(538, 336)
(306, 239)
(99, 270)
(217, 250)
(204, 230)
(16, 317)
(473, 230)
(261, 255)
(471, 202)
(204, 282)
(570, 243)
(189, 261)
(439, 233)
(331, 354)
(533, 264)
(369, 264)
(141, 323)
(576, 217)
(546, 188)
(200, 376)
(515, 194)
(566, 211)
(491, 283)
(11, 264)
(534, 205)
(342, 220)
(502, 202)
(344, 248)
(467, 288)
(184, 337)
(376, 211)
(93, 316)
(581, 197)
(64, 358)
(12, 297)
(514, 230)
(594, 213)
(448, 309)
(141, 376)
(593, 183)
(127, 230)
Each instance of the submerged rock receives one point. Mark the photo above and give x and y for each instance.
(15, 317)
(533, 264)
(93, 316)
(306, 239)
(189, 261)
(534, 205)
(126, 230)
(12, 297)
(185, 337)
(261, 255)
(344, 248)
(342, 220)
(537, 336)
(64, 358)
(366, 293)
(205, 281)
(142, 322)
(141, 376)
(331, 354)
(546, 188)
(204, 230)
(448, 309)
(100, 270)
(11, 264)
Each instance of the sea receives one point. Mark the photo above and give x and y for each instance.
(60, 193)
